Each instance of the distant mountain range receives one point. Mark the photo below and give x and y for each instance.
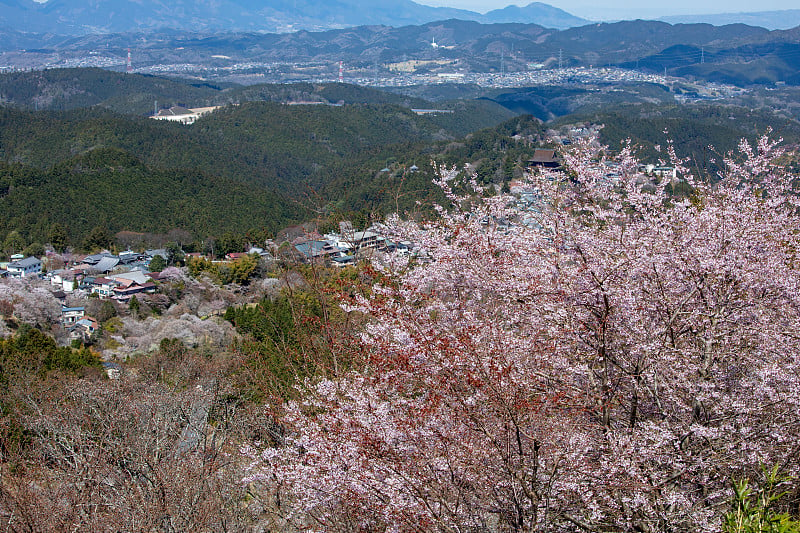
(80, 17)
(83, 17)
(772, 20)
(737, 54)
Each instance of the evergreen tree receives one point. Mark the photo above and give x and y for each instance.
(58, 237)
(98, 239)
(157, 264)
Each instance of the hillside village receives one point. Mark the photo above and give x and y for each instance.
(223, 339)
(137, 283)
(122, 304)
(77, 294)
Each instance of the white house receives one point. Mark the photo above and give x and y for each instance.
(30, 266)
(64, 280)
(71, 315)
(103, 287)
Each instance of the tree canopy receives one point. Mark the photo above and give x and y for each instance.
(608, 360)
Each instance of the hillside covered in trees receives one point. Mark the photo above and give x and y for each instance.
(89, 166)
(268, 163)
(606, 350)
(609, 357)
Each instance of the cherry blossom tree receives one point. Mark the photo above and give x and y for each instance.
(142, 336)
(31, 302)
(604, 360)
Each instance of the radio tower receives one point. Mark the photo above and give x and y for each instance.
(130, 67)
(341, 72)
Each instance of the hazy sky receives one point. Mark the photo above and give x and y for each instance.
(627, 9)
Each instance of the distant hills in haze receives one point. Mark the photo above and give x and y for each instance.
(772, 20)
(82, 17)
(79, 17)
(218, 37)
(534, 13)
(736, 54)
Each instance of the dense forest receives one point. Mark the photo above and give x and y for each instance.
(109, 188)
(703, 133)
(277, 164)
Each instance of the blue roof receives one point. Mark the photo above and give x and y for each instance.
(311, 248)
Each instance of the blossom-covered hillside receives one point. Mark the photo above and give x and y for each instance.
(607, 359)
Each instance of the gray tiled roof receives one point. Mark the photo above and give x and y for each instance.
(106, 264)
(23, 263)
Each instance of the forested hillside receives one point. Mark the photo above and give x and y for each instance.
(339, 151)
(66, 89)
(703, 133)
(277, 162)
(110, 188)
(147, 176)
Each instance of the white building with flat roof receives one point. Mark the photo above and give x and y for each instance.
(183, 114)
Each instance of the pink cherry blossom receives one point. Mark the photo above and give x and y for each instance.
(605, 360)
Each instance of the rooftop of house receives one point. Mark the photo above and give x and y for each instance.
(106, 264)
(158, 251)
(24, 263)
(544, 155)
(134, 288)
(93, 259)
(316, 248)
(134, 276)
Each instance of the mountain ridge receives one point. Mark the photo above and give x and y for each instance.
(718, 53)
(784, 19)
(73, 17)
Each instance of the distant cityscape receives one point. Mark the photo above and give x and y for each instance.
(251, 72)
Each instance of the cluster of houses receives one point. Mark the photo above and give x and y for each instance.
(344, 248)
(107, 275)
(118, 277)
(121, 276)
